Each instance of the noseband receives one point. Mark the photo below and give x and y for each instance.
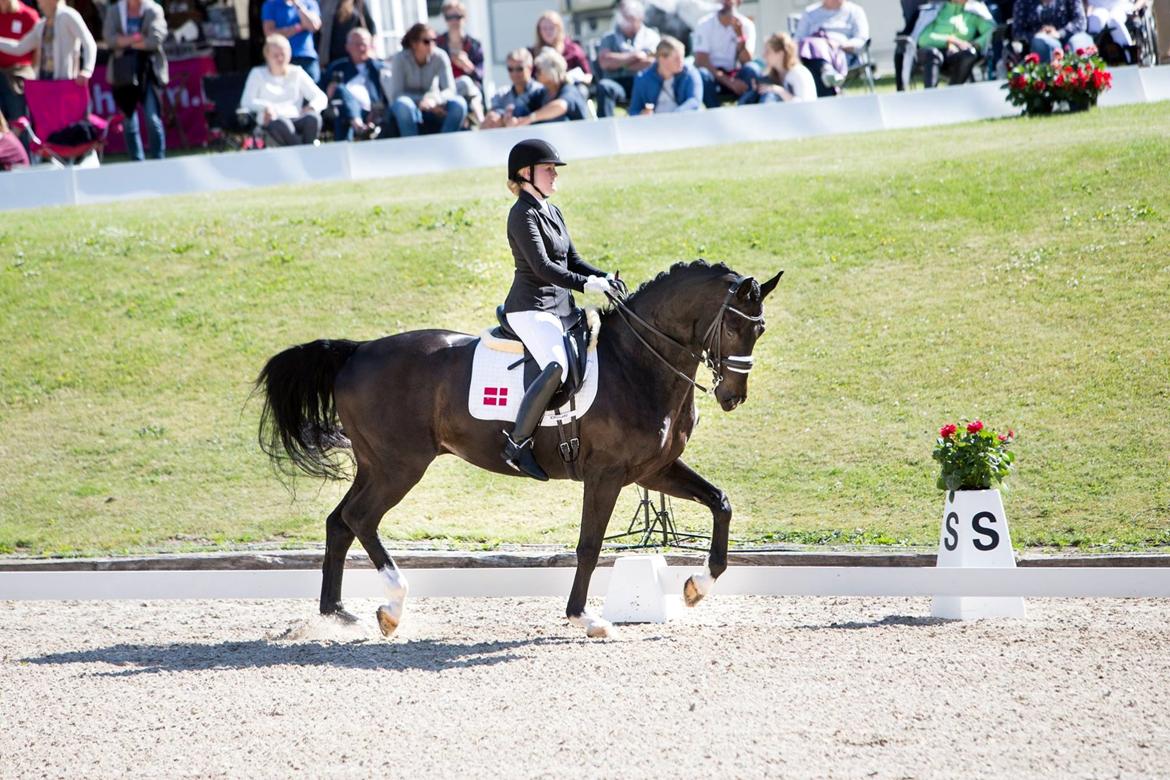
(712, 343)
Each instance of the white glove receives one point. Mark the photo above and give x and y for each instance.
(597, 284)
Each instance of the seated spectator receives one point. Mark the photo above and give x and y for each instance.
(296, 21)
(724, 42)
(550, 33)
(522, 91)
(670, 85)
(1047, 25)
(12, 152)
(828, 34)
(354, 85)
(954, 40)
(64, 46)
(623, 53)
(466, 55)
(559, 99)
(338, 19)
(134, 32)
(1111, 15)
(16, 21)
(786, 79)
(284, 99)
(422, 88)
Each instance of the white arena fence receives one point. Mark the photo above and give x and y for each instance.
(868, 581)
(603, 138)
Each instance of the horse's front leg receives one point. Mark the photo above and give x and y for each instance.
(600, 497)
(681, 481)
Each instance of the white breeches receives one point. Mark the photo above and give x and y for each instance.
(541, 332)
(1111, 18)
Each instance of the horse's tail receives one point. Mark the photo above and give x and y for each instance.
(299, 425)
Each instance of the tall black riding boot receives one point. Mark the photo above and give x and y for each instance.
(518, 445)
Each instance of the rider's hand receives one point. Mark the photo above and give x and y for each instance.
(597, 284)
(617, 286)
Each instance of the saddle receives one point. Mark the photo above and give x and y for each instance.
(577, 335)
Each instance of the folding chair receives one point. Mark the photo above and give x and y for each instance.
(859, 63)
(54, 105)
(230, 127)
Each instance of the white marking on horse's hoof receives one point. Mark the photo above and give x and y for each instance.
(696, 587)
(388, 620)
(595, 627)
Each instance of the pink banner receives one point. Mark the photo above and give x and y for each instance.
(184, 93)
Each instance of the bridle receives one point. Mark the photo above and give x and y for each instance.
(712, 342)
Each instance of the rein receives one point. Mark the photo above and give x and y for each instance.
(711, 353)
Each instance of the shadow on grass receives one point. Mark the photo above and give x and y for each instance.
(888, 620)
(424, 655)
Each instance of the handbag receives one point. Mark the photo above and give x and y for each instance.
(124, 70)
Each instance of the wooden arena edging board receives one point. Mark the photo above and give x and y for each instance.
(1058, 582)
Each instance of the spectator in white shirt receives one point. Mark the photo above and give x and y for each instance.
(786, 79)
(828, 34)
(724, 42)
(284, 99)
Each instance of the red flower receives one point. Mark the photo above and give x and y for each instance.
(974, 427)
(947, 431)
(1039, 85)
(1080, 52)
(1032, 59)
(1011, 434)
(1019, 82)
(1002, 438)
(1059, 80)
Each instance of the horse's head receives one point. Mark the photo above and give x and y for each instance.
(732, 336)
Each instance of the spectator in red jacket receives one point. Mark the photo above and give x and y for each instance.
(466, 55)
(16, 20)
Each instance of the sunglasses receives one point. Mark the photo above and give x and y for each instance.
(427, 41)
(515, 68)
(453, 17)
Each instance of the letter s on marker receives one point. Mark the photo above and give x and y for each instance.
(952, 540)
(992, 535)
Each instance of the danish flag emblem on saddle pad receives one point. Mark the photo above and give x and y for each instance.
(497, 383)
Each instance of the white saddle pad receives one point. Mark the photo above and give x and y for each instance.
(496, 391)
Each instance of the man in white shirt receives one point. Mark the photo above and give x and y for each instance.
(724, 42)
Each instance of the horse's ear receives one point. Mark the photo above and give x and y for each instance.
(770, 285)
(744, 288)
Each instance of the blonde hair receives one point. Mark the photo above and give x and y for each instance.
(514, 187)
(782, 43)
(449, 5)
(668, 44)
(276, 39)
(552, 63)
(558, 42)
(521, 55)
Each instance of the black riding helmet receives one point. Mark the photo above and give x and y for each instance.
(527, 153)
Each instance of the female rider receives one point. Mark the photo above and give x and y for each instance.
(547, 268)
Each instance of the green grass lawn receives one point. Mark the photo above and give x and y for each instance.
(1013, 270)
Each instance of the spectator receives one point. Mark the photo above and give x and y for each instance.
(283, 97)
(422, 88)
(559, 100)
(296, 21)
(623, 53)
(550, 33)
(134, 31)
(1112, 15)
(1047, 25)
(724, 42)
(670, 85)
(354, 85)
(522, 91)
(12, 152)
(64, 47)
(786, 78)
(954, 40)
(338, 19)
(828, 33)
(16, 21)
(466, 55)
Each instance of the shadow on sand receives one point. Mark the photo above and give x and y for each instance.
(421, 654)
(888, 620)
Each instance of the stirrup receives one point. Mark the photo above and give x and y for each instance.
(520, 457)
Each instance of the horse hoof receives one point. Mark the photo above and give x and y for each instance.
(691, 593)
(386, 621)
(602, 629)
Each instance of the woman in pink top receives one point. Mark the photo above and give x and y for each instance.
(550, 33)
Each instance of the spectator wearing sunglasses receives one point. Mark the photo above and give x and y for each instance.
(520, 94)
(466, 56)
(422, 87)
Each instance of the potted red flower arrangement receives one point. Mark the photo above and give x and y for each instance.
(976, 459)
(1071, 82)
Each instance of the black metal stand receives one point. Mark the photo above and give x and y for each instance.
(653, 526)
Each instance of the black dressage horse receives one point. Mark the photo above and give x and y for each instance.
(402, 401)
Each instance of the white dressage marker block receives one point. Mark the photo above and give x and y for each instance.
(637, 591)
(975, 535)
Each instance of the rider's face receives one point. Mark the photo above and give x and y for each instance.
(545, 177)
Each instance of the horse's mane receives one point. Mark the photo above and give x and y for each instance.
(679, 270)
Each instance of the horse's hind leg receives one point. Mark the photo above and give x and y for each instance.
(338, 538)
(363, 512)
